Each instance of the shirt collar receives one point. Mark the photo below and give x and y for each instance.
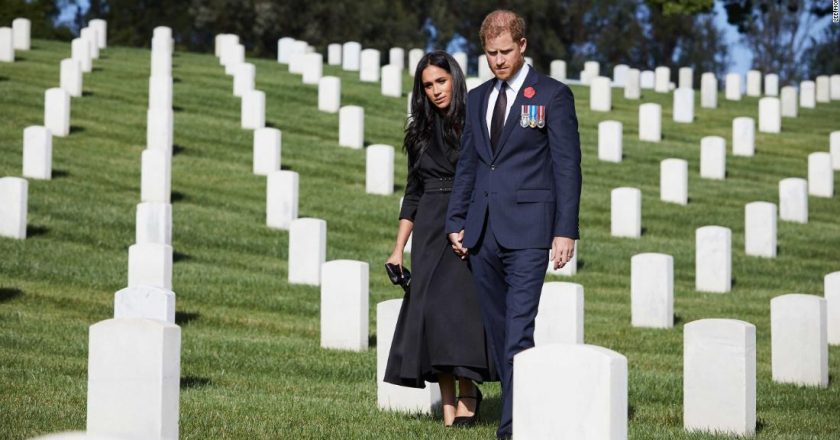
(515, 83)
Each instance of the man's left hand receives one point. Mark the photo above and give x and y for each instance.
(562, 250)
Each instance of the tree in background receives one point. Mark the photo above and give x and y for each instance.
(43, 14)
(823, 57)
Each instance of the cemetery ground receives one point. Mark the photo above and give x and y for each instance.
(251, 365)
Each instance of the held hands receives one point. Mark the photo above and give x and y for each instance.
(456, 238)
(562, 250)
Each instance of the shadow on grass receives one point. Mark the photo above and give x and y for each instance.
(581, 263)
(677, 319)
(184, 318)
(86, 94)
(4, 78)
(178, 196)
(631, 412)
(372, 341)
(759, 425)
(36, 230)
(176, 150)
(19, 58)
(177, 257)
(192, 382)
(177, 109)
(76, 129)
(176, 79)
(97, 69)
(398, 187)
(270, 124)
(286, 167)
(60, 174)
(9, 293)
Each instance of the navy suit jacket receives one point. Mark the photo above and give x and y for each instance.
(530, 188)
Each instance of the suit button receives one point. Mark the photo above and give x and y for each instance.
(492, 167)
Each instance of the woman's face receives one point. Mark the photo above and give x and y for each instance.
(438, 86)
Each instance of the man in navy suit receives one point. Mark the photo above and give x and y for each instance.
(516, 192)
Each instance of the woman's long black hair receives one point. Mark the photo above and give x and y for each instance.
(420, 129)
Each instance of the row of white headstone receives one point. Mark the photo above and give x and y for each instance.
(17, 37)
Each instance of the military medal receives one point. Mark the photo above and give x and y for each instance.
(523, 119)
(541, 116)
(532, 110)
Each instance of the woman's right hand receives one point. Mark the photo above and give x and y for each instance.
(396, 258)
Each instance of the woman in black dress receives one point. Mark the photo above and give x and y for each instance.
(439, 335)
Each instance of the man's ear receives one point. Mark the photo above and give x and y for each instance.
(523, 43)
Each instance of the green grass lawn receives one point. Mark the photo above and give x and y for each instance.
(251, 364)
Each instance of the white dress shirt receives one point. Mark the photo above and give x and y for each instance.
(514, 84)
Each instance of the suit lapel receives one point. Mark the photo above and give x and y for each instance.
(486, 150)
(514, 114)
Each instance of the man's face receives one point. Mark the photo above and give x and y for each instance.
(504, 55)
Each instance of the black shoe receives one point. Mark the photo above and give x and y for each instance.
(465, 422)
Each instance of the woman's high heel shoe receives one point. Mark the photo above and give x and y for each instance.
(464, 422)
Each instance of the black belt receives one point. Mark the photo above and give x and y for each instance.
(437, 184)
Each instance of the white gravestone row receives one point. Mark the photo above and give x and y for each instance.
(244, 76)
(650, 122)
(461, 59)
(686, 78)
(647, 79)
(344, 305)
(798, 334)
(754, 83)
(21, 33)
(626, 212)
(834, 149)
(760, 229)
(37, 153)
(147, 302)
(155, 176)
(391, 80)
(591, 69)
(267, 151)
(652, 290)
(673, 181)
(620, 74)
(334, 54)
(392, 397)
(329, 94)
(719, 376)
(80, 51)
(287, 48)
(57, 112)
(379, 170)
(708, 90)
(253, 110)
(790, 102)
(369, 66)
(632, 87)
(153, 223)
(557, 69)
(282, 195)
(71, 78)
(160, 92)
(713, 157)
(414, 56)
(820, 175)
(570, 391)
(743, 136)
(733, 87)
(307, 250)
(834, 83)
(600, 94)
(713, 259)
(793, 200)
(610, 141)
(807, 94)
(159, 129)
(684, 106)
(662, 80)
(101, 27)
(351, 56)
(351, 127)
(769, 115)
(823, 92)
(559, 314)
(771, 84)
(14, 206)
(473, 82)
(312, 68)
(832, 301)
(150, 264)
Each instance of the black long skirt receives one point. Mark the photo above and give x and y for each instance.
(439, 329)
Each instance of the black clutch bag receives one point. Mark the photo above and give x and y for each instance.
(399, 275)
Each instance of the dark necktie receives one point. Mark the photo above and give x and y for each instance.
(498, 121)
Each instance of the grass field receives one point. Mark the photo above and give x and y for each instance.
(251, 363)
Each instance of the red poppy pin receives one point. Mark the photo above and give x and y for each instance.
(529, 92)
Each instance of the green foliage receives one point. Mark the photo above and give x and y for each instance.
(682, 7)
(823, 57)
(251, 364)
(41, 13)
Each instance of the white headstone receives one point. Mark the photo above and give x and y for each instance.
(461, 59)
(155, 176)
(610, 141)
(686, 80)
(713, 157)
(662, 80)
(163, 33)
(754, 83)
(484, 71)
(150, 264)
(282, 195)
(243, 79)
(771, 84)
(834, 149)
(834, 83)
(134, 393)
(820, 175)
(807, 94)
(719, 376)
(21, 33)
(632, 88)
(560, 314)
(823, 87)
(351, 126)
(285, 49)
(350, 56)
(334, 54)
(389, 396)
(647, 79)
(101, 27)
(228, 44)
(733, 87)
(161, 59)
(159, 122)
(832, 302)
(89, 34)
(743, 136)
(80, 51)
(379, 170)
(626, 212)
(790, 103)
(307, 250)
(57, 111)
(329, 94)
(684, 105)
(650, 122)
(652, 290)
(160, 92)
(600, 94)
(708, 90)
(253, 110)
(153, 223)
(344, 305)
(147, 302)
(235, 56)
(267, 143)
(793, 200)
(557, 67)
(37, 153)
(673, 181)
(296, 61)
(14, 206)
(473, 82)
(414, 56)
(369, 66)
(569, 269)
(569, 391)
(313, 68)
(71, 77)
(769, 115)
(620, 74)
(713, 259)
(391, 81)
(7, 45)
(798, 339)
(591, 69)
(760, 229)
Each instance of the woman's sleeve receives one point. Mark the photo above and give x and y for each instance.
(413, 191)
